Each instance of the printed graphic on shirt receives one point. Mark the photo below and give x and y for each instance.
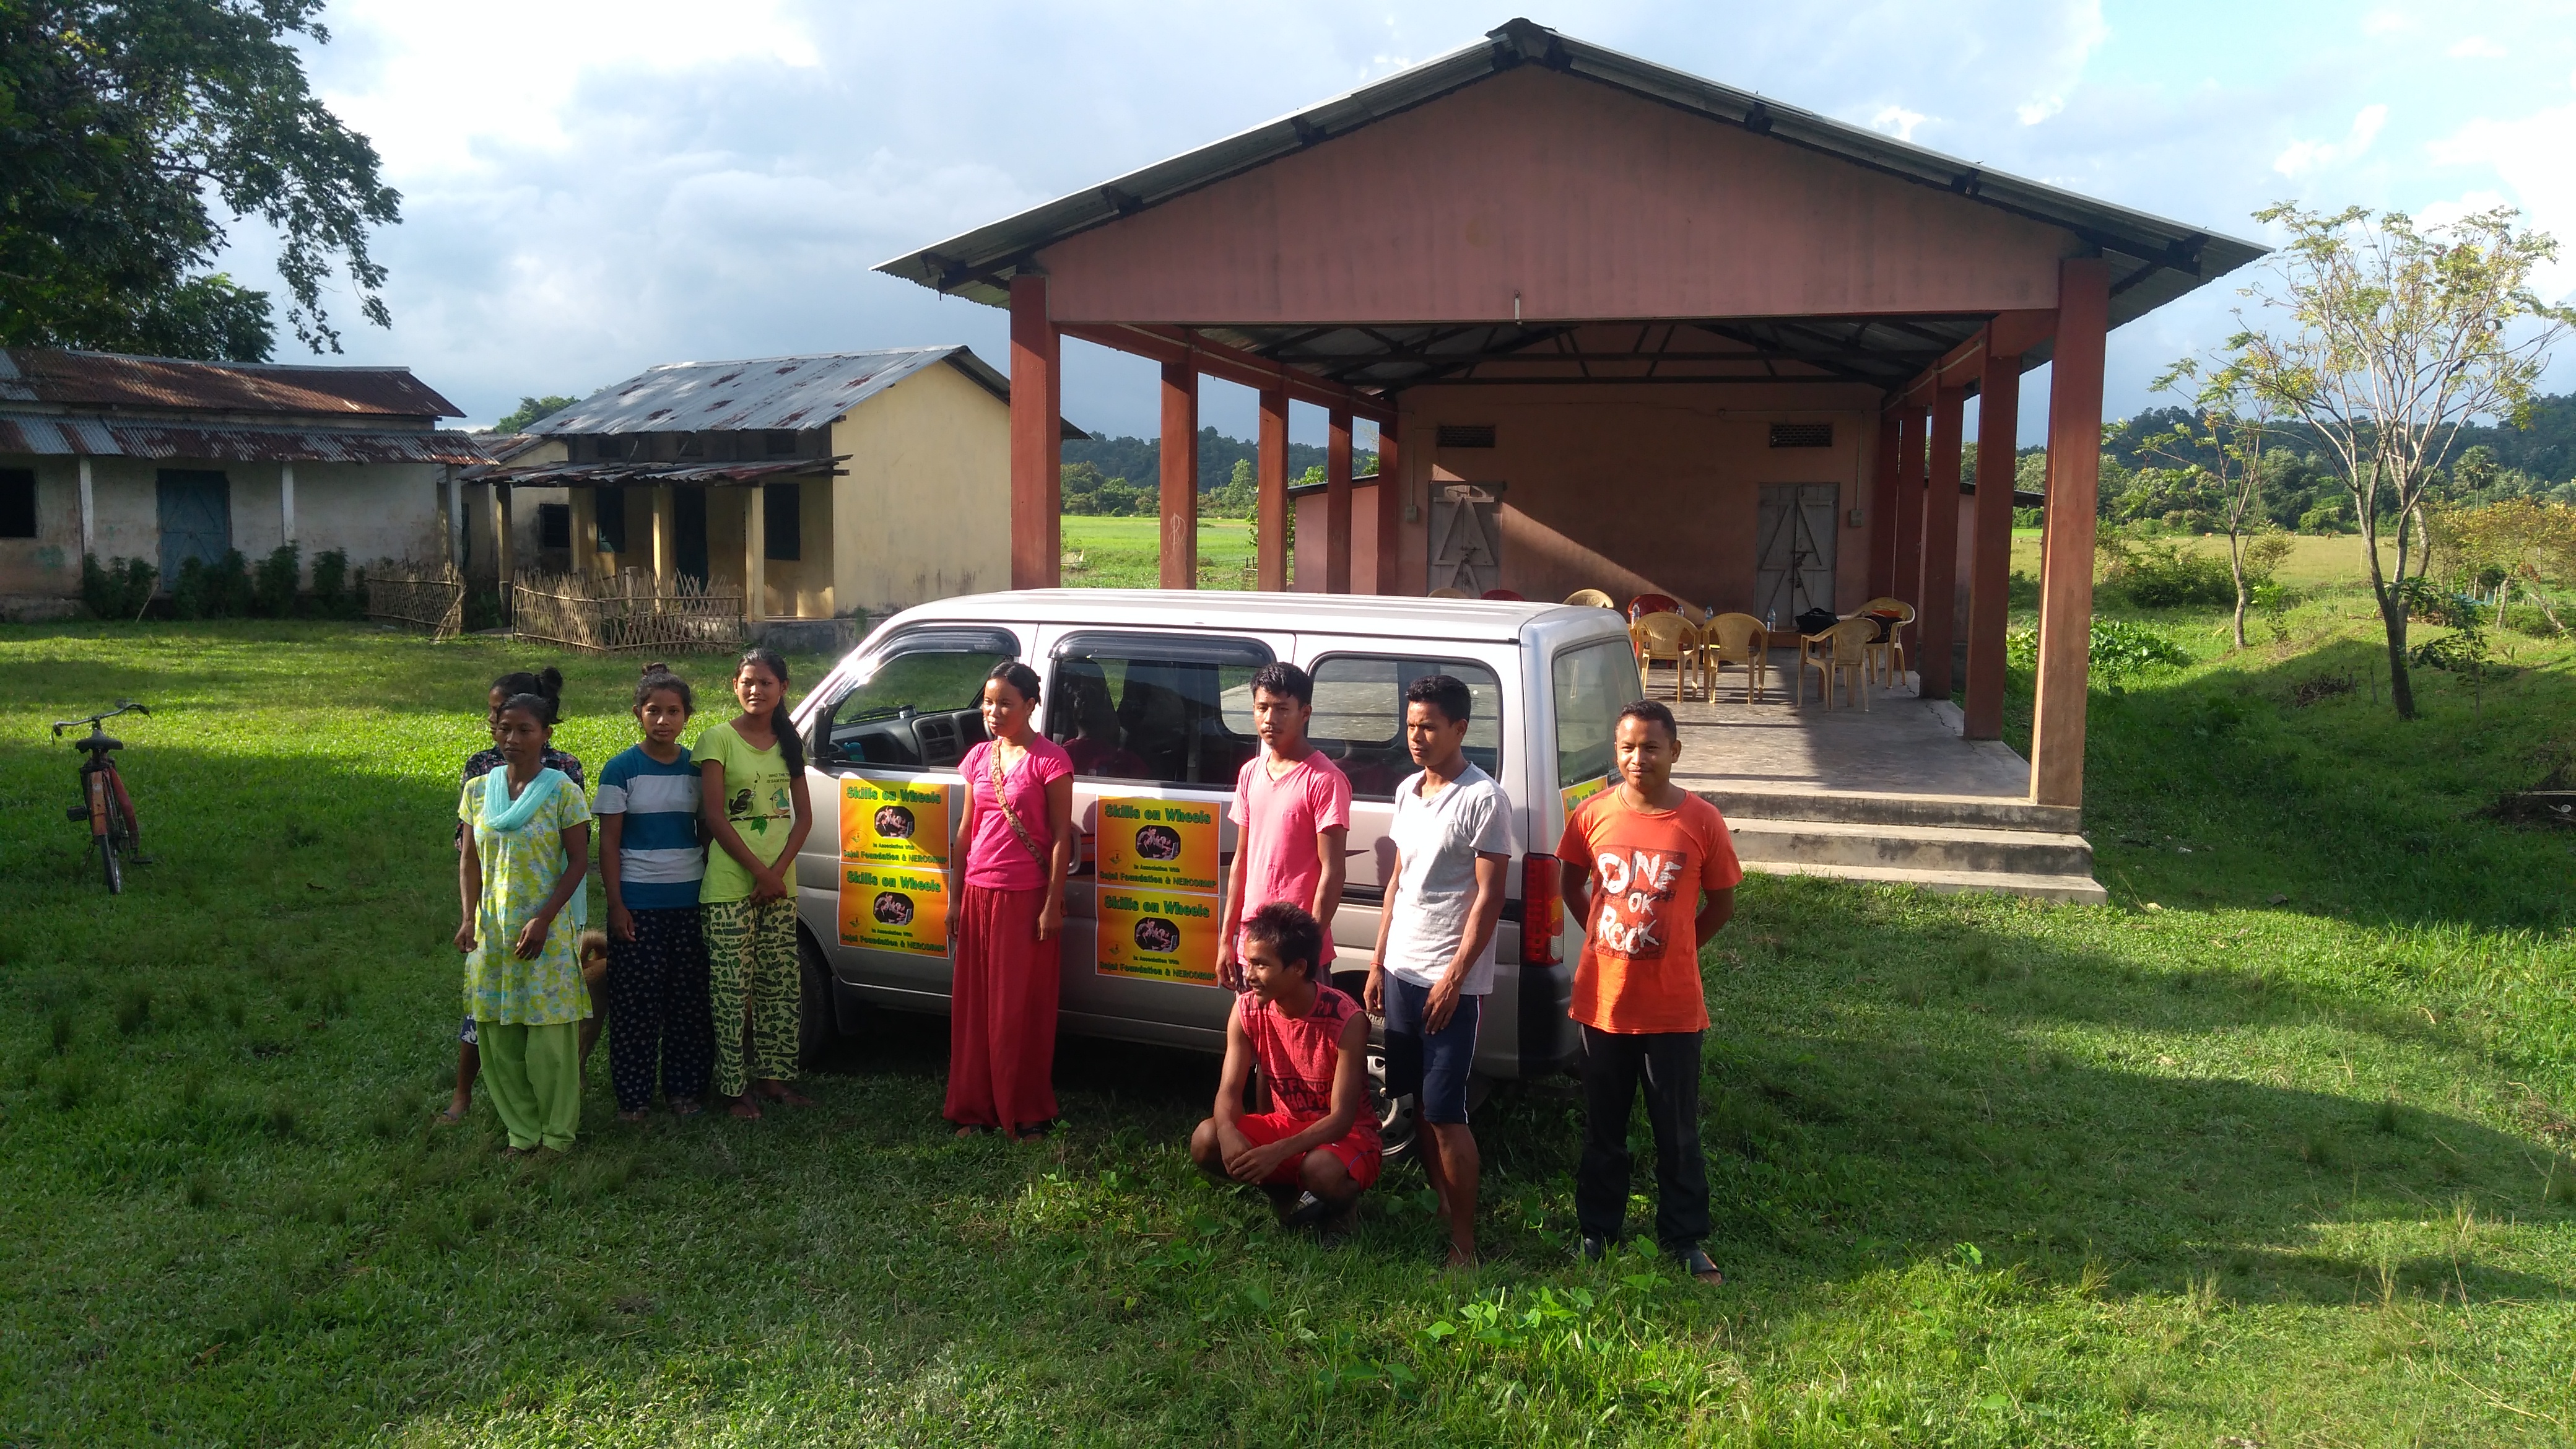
(1635, 886)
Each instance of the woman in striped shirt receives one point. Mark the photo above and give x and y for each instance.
(651, 863)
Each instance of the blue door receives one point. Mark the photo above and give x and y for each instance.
(196, 519)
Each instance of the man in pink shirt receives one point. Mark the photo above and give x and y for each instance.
(1292, 813)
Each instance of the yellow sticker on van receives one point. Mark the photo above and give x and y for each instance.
(1574, 795)
(1164, 845)
(1156, 935)
(894, 908)
(894, 821)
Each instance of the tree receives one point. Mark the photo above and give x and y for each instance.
(120, 120)
(2219, 442)
(2521, 539)
(2388, 337)
(531, 410)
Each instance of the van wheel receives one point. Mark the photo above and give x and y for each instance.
(818, 1024)
(1395, 1120)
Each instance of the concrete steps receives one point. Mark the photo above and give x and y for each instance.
(1942, 843)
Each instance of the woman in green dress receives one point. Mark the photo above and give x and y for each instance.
(527, 847)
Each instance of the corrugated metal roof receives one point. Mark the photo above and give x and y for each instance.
(2153, 259)
(115, 380)
(760, 393)
(557, 475)
(60, 434)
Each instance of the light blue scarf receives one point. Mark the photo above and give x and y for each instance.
(502, 813)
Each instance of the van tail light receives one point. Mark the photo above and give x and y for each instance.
(1542, 910)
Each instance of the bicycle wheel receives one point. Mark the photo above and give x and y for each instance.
(132, 842)
(108, 863)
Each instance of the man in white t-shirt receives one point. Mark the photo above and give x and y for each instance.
(1435, 940)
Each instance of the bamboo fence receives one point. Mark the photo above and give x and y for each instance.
(425, 596)
(622, 613)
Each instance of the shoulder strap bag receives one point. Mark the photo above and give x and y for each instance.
(993, 760)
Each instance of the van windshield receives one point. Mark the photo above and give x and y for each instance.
(1593, 683)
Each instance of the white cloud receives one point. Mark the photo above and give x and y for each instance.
(1897, 121)
(2031, 113)
(2476, 47)
(2303, 156)
(2529, 156)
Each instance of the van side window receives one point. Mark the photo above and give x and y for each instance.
(1593, 683)
(1163, 709)
(918, 706)
(1359, 717)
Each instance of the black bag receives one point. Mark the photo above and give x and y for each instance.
(1816, 621)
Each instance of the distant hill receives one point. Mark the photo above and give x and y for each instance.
(1140, 460)
(2545, 450)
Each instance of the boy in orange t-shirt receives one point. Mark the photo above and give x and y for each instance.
(1666, 873)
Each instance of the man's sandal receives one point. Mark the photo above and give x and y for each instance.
(1699, 1265)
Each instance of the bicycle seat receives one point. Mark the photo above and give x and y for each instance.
(98, 742)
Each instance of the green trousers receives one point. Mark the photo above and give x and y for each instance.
(534, 1073)
(752, 985)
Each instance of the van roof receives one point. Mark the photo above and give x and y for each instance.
(1461, 619)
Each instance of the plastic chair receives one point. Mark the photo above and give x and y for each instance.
(1590, 599)
(1666, 636)
(1504, 596)
(1450, 593)
(1740, 640)
(1644, 604)
(1887, 655)
(1844, 649)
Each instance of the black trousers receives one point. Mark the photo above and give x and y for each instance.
(1615, 1064)
(659, 1021)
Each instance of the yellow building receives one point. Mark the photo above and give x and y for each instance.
(821, 486)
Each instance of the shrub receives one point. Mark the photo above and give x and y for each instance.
(220, 590)
(332, 598)
(273, 584)
(118, 590)
(2117, 649)
(2159, 575)
(188, 591)
(2027, 518)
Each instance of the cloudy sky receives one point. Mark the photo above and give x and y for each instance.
(590, 188)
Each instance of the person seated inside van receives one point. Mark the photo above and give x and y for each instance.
(1317, 1149)
(1098, 747)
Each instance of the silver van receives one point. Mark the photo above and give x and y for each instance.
(1149, 691)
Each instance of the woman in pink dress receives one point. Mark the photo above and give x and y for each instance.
(1006, 872)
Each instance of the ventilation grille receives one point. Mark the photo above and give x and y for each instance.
(1466, 435)
(1802, 435)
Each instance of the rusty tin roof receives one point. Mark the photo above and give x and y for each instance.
(114, 380)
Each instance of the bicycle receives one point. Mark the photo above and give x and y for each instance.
(105, 804)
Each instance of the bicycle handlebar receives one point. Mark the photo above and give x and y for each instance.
(123, 706)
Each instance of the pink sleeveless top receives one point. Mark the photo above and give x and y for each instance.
(1298, 1056)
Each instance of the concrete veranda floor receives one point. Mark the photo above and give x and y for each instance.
(1900, 745)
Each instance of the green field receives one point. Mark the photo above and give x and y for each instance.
(1126, 553)
(2275, 1148)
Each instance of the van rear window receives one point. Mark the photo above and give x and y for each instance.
(1593, 683)
(1359, 717)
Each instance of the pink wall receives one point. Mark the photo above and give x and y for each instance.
(1634, 489)
(1584, 201)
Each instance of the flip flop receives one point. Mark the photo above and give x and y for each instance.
(1699, 1265)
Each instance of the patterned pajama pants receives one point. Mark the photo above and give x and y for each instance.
(658, 1016)
(751, 975)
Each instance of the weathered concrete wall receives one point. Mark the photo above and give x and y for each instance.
(368, 510)
(1651, 488)
(925, 511)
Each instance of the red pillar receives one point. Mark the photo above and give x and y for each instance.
(1937, 622)
(1990, 566)
(1908, 581)
(1180, 459)
(2066, 571)
(1882, 508)
(1270, 502)
(1390, 511)
(1337, 504)
(1037, 439)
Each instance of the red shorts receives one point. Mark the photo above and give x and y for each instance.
(1358, 1151)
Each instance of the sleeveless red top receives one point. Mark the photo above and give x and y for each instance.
(1298, 1055)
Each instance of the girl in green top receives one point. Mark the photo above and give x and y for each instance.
(751, 782)
(527, 846)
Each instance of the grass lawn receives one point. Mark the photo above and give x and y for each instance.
(1126, 553)
(2313, 562)
(2273, 1149)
